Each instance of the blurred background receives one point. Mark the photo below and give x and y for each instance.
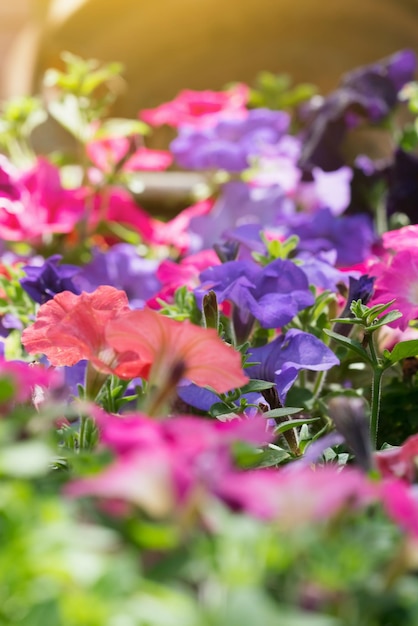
(167, 45)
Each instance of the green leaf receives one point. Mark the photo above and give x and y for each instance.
(352, 344)
(283, 412)
(273, 455)
(385, 319)
(282, 428)
(7, 389)
(402, 350)
(256, 385)
(219, 408)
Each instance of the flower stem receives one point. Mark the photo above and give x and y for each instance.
(375, 404)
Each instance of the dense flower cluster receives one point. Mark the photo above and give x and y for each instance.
(223, 368)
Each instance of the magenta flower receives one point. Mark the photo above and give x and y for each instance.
(160, 466)
(399, 280)
(35, 203)
(199, 109)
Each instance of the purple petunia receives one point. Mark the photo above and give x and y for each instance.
(273, 294)
(123, 268)
(281, 360)
(232, 143)
(43, 282)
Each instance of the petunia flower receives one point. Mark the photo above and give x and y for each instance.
(70, 328)
(232, 143)
(281, 360)
(273, 295)
(112, 153)
(160, 344)
(399, 280)
(199, 109)
(43, 282)
(123, 268)
(34, 203)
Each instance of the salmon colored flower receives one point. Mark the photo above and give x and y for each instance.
(161, 344)
(70, 328)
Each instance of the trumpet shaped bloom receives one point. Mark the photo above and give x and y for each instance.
(160, 344)
(70, 328)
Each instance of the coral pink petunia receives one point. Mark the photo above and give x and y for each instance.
(200, 109)
(70, 328)
(161, 344)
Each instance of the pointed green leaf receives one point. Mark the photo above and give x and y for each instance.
(351, 344)
(256, 385)
(402, 350)
(283, 412)
(282, 428)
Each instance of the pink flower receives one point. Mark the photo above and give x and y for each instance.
(70, 328)
(175, 232)
(147, 160)
(200, 109)
(399, 279)
(401, 504)
(185, 273)
(35, 203)
(399, 461)
(26, 379)
(117, 205)
(160, 466)
(397, 240)
(107, 154)
(160, 344)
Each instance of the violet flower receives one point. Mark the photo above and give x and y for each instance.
(123, 268)
(351, 236)
(232, 142)
(43, 282)
(368, 92)
(273, 294)
(281, 360)
(237, 205)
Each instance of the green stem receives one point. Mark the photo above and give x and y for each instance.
(375, 404)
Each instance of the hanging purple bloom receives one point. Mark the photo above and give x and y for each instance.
(368, 92)
(43, 282)
(273, 294)
(281, 360)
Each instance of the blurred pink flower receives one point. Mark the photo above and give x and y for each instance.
(401, 504)
(199, 109)
(107, 154)
(34, 203)
(399, 279)
(161, 465)
(399, 461)
(117, 205)
(27, 379)
(176, 232)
